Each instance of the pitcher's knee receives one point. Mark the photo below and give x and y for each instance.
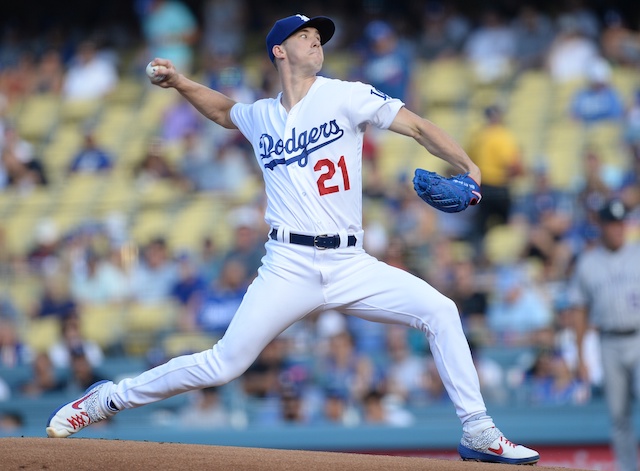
(224, 368)
(442, 311)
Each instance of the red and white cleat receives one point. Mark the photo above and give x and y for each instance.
(492, 447)
(78, 414)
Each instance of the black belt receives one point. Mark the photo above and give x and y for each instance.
(322, 242)
(620, 333)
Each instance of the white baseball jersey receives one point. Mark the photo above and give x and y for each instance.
(311, 157)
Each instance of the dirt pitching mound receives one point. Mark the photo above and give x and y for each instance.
(92, 454)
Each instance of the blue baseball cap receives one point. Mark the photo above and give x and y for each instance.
(285, 27)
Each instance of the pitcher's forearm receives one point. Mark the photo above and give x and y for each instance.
(210, 103)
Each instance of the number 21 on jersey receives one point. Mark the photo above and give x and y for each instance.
(328, 170)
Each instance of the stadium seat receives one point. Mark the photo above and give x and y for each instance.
(40, 334)
(186, 343)
(102, 323)
(78, 111)
(443, 82)
(144, 324)
(504, 243)
(38, 116)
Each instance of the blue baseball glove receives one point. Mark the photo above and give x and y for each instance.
(451, 195)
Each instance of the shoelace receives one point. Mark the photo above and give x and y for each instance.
(507, 442)
(79, 420)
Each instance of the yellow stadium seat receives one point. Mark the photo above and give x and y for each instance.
(79, 110)
(144, 324)
(38, 116)
(504, 243)
(102, 323)
(40, 334)
(149, 318)
(185, 343)
(444, 82)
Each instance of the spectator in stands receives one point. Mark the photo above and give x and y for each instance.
(544, 201)
(594, 189)
(43, 256)
(518, 308)
(443, 31)
(631, 126)
(50, 72)
(5, 121)
(342, 369)
(13, 351)
(582, 15)
(534, 33)
(190, 284)
(90, 75)
(170, 30)
(204, 411)
(261, 380)
(96, 281)
(630, 186)
(198, 167)
(179, 121)
(8, 310)
(22, 168)
(336, 410)
(599, 101)
(378, 409)
(83, 373)
(292, 410)
(44, 380)
(218, 304)
(91, 158)
(620, 44)
(471, 297)
(154, 166)
(225, 24)
(72, 341)
(104, 278)
(567, 319)
(548, 215)
(550, 382)
(210, 258)
(248, 243)
(155, 275)
(56, 299)
(570, 53)
(490, 48)
(496, 150)
(490, 373)
(405, 371)
(387, 61)
(10, 422)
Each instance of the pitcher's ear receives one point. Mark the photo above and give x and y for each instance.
(278, 51)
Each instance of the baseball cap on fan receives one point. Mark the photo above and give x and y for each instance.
(612, 211)
(285, 27)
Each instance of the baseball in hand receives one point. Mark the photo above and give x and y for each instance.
(152, 71)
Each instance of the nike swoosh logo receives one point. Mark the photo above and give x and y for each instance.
(76, 405)
(497, 451)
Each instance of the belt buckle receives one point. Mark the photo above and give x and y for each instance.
(316, 239)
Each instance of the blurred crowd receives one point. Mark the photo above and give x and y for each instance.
(506, 263)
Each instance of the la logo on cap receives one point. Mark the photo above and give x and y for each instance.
(302, 17)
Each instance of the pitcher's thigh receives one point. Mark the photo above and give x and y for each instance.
(272, 303)
(391, 295)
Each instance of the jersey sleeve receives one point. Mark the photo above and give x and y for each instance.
(369, 105)
(242, 116)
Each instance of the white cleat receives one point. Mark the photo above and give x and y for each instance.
(76, 415)
(492, 447)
